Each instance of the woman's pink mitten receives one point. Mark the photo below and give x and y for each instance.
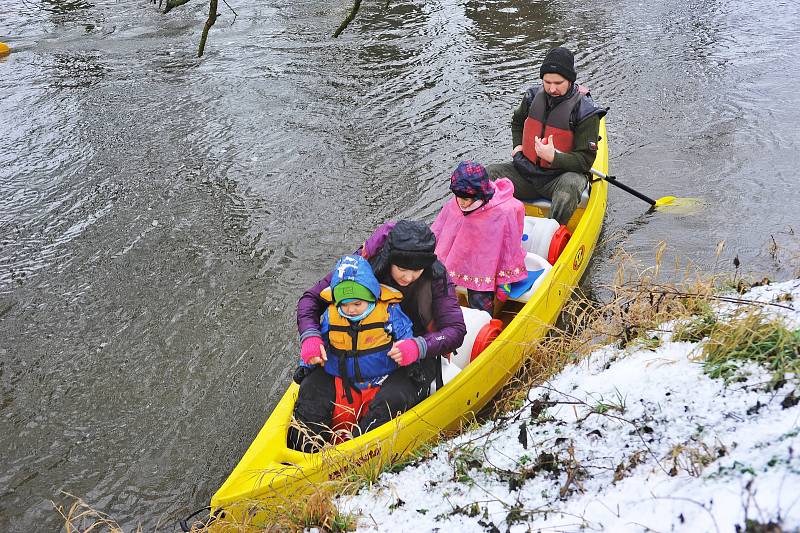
(409, 351)
(309, 349)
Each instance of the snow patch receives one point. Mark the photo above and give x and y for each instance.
(622, 441)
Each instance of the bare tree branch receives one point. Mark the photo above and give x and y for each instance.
(172, 4)
(212, 18)
(235, 14)
(349, 19)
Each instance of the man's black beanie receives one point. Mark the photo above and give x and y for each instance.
(559, 61)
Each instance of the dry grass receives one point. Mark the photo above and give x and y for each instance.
(314, 505)
(643, 302)
(81, 518)
(301, 513)
(354, 475)
(693, 456)
(633, 308)
(317, 510)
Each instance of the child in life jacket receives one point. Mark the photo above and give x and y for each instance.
(479, 235)
(345, 368)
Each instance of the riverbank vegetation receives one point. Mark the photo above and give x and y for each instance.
(657, 406)
(659, 399)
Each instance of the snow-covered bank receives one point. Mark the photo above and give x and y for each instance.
(627, 440)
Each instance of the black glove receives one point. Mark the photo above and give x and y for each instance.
(301, 373)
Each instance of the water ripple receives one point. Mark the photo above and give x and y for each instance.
(160, 213)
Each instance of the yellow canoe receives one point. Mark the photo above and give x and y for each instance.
(270, 474)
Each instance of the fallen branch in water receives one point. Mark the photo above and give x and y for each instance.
(349, 19)
(172, 4)
(235, 14)
(212, 18)
(210, 21)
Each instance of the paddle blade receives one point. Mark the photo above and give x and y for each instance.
(677, 205)
(665, 200)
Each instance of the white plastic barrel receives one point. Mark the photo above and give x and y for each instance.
(534, 262)
(449, 371)
(537, 234)
(475, 319)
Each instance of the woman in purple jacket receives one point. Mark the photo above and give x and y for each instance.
(402, 256)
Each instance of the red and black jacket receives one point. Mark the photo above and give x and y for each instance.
(552, 116)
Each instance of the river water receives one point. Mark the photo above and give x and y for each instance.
(160, 214)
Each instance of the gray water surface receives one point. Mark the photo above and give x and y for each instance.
(161, 214)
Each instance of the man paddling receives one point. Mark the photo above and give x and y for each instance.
(555, 134)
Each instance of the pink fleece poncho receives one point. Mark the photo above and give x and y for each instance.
(483, 249)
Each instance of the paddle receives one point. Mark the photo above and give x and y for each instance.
(665, 200)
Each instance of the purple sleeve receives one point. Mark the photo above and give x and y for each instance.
(310, 307)
(376, 240)
(449, 321)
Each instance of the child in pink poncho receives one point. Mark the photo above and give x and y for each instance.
(479, 235)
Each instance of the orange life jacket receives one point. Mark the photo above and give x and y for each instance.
(543, 123)
(357, 351)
